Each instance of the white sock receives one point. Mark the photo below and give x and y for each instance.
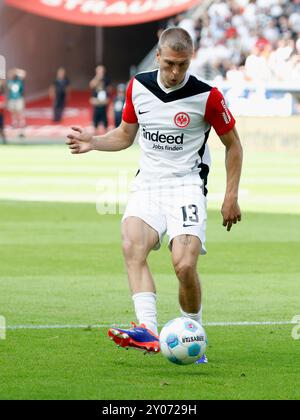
(145, 309)
(196, 317)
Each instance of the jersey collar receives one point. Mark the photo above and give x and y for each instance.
(172, 89)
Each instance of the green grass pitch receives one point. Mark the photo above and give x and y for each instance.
(61, 264)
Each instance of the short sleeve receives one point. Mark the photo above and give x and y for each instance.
(129, 115)
(217, 114)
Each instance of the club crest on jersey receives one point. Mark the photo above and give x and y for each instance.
(182, 119)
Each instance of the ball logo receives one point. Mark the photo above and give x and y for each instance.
(182, 119)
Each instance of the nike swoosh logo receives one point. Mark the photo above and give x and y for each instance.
(144, 112)
(184, 225)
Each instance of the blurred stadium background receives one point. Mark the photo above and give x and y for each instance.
(250, 49)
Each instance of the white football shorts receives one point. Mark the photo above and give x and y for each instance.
(180, 210)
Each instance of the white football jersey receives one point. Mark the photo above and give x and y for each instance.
(174, 127)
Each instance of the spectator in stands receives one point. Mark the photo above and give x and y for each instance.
(59, 92)
(16, 101)
(256, 67)
(119, 103)
(2, 107)
(189, 25)
(279, 57)
(245, 31)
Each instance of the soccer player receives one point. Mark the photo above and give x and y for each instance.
(174, 111)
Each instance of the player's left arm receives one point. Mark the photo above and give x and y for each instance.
(220, 117)
(234, 157)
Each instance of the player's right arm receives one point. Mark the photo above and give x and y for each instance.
(120, 138)
(79, 141)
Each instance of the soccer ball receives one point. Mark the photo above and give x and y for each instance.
(182, 341)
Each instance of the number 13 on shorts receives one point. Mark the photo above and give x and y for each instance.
(190, 215)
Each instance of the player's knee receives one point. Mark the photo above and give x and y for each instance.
(133, 252)
(128, 248)
(184, 269)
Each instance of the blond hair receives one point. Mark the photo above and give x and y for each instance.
(177, 39)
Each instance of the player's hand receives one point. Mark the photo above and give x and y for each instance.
(79, 141)
(231, 212)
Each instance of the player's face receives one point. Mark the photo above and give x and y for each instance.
(173, 65)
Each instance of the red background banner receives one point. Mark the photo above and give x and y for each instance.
(104, 12)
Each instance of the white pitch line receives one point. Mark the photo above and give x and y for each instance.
(86, 326)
